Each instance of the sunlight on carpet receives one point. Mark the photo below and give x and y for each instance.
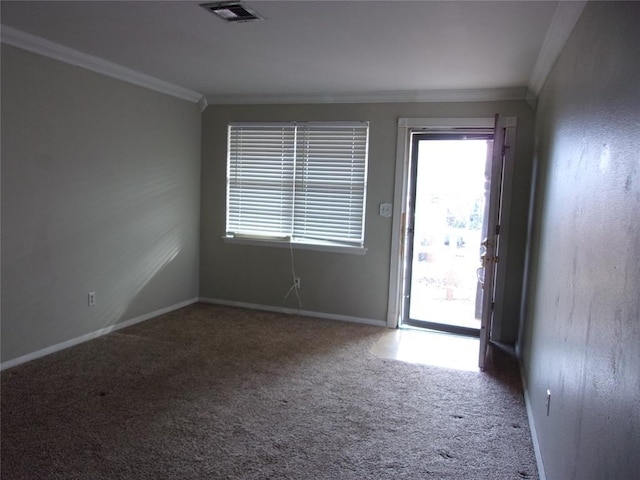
(428, 347)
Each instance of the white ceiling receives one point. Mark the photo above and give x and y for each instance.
(306, 48)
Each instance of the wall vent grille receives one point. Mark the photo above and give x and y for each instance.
(233, 12)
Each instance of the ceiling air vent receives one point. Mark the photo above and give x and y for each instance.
(232, 11)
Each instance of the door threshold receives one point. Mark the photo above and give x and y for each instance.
(442, 327)
(428, 347)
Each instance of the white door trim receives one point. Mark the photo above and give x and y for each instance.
(406, 127)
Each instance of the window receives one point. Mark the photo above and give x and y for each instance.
(297, 182)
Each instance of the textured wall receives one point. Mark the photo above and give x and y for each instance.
(338, 283)
(100, 192)
(582, 336)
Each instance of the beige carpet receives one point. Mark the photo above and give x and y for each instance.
(210, 392)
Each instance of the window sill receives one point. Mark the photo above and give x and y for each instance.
(317, 245)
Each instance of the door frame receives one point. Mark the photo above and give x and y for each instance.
(405, 130)
(467, 133)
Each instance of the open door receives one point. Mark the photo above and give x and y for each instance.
(407, 244)
(489, 258)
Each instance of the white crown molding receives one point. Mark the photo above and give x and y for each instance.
(47, 48)
(561, 26)
(401, 96)
(532, 99)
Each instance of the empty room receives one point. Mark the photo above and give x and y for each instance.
(320, 240)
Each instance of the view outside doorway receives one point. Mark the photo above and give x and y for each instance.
(451, 199)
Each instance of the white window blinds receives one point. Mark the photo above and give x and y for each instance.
(304, 181)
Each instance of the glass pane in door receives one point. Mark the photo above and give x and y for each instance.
(450, 209)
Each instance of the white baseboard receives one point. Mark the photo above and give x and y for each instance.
(532, 426)
(306, 313)
(90, 336)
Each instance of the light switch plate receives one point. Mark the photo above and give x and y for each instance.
(386, 209)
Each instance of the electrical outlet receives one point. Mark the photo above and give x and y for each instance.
(92, 298)
(296, 282)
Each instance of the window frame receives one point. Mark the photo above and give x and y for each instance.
(348, 244)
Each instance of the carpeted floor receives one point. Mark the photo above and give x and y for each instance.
(211, 392)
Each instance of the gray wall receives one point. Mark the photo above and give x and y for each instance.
(336, 283)
(582, 335)
(100, 192)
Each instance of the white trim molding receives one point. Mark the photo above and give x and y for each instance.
(294, 311)
(47, 48)
(561, 26)
(406, 127)
(437, 123)
(532, 425)
(399, 96)
(90, 336)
